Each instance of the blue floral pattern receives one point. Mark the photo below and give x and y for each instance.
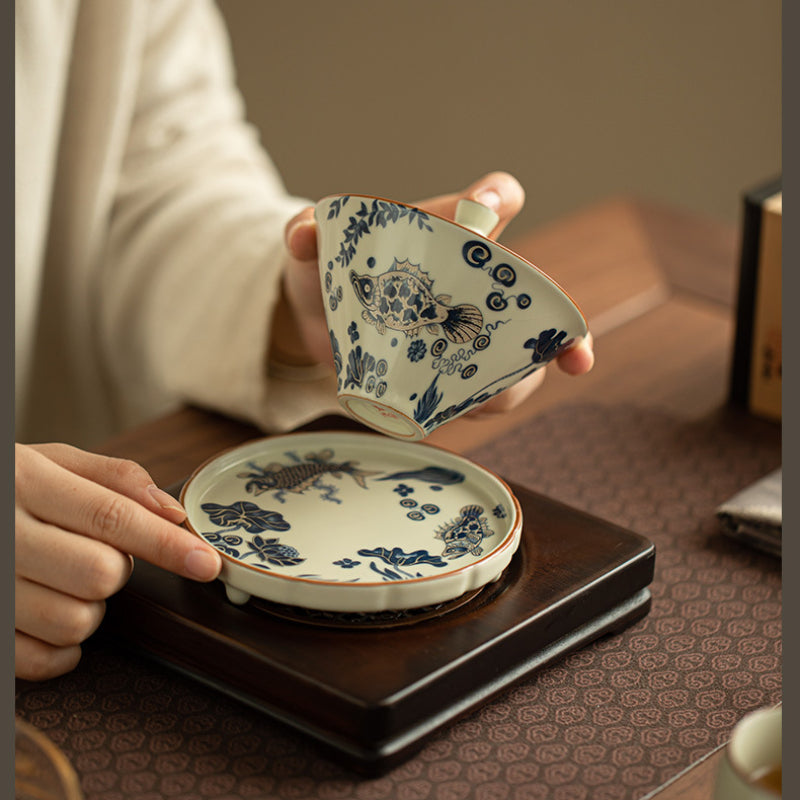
(547, 345)
(346, 563)
(245, 515)
(416, 350)
(397, 558)
(271, 551)
(227, 543)
(359, 363)
(253, 519)
(429, 401)
(380, 213)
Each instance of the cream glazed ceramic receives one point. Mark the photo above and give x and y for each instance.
(352, 522)
(428, 317)
(755, 747)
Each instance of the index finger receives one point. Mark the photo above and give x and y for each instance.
(119, 475)
(72, 502)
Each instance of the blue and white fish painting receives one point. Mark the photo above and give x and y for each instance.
(402, 299)
(301, 475)
(430, 474)
(465, 533)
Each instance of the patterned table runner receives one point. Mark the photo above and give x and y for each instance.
(611, 722)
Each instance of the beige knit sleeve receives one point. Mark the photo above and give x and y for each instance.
(196, 248)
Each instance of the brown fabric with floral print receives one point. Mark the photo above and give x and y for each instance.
(610, 722)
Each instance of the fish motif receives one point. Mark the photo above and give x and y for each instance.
(305, 474)
(465, 533)
(402, 299)
(428, 474)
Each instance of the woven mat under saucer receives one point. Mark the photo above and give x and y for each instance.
(611, 722)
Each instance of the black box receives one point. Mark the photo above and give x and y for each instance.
(757, 362)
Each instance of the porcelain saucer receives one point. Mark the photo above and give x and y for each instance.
(352, 522)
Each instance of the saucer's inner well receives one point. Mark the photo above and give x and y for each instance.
(352, 522)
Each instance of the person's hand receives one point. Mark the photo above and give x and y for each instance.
(301, 333)
(79, 519)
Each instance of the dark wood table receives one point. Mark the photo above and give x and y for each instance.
(657, 286)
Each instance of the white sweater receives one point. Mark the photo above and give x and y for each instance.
(149, 225)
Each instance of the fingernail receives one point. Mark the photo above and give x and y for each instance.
(164, 499)
(489, 198)
(203, 564)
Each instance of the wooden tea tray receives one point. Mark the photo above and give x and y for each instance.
(373, 691)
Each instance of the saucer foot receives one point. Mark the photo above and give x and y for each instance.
(236, 596)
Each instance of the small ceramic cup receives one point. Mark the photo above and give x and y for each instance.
(751, 768)
(429, 318)
(41, 769)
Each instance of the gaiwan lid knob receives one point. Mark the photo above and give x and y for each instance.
(478, 218)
